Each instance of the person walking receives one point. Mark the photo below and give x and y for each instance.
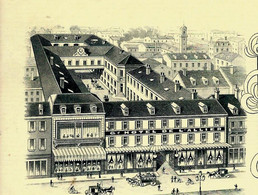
(235, 186)
(58, 176)
(234, 167)
(172, 178)
(177, 191)
(90, 174)
(175, 179)
(159, 187)
(112, 179)
(163, 170)
(99, 175)
(87, 175)
(61, 176)
(51, 183)
(173, 191)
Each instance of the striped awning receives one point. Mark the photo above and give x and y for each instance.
(79, 153)
(204, 146)
(165, 148)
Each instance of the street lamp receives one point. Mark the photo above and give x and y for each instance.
(200, 177)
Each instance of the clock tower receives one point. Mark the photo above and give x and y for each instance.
(183, 39)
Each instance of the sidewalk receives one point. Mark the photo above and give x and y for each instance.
(80, 178)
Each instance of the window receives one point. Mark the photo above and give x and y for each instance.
(137, 124)
(42, 126)
(232, 139)
(241, 139)
(190, 122)
(177, 123)
(31, 99)
(114, 70)
(151, 96)
(69, 63)
(192, 64)
(121, 87)
(232, 124)
(216, 122)
(151, 124)
(174, 65)
(32, 126)
(142, 89)
(99, 62)
(164, 139)
(111, 141)
(203, 137)
(146, 92)
(190, 138)
(26, 93)
(31, 144)
(42, 144)
(164, 123)
(77, 63)
(177, 139)
(121, 73)
(203, 122)
(180, 64)
(31, 93)
(186, 64)
(65, 44)
(125, 141)
(92, 62)
(216, 137)
(138, 140)
(138, 86)
(37, 92)
(241, 124)
(111, 125)
(151, 139)
(131, 81)
(199, 64)
(125, 125)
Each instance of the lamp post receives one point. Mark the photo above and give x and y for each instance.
(200, 177)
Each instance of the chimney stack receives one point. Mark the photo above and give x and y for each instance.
(148, 69)
(216, 93)
(51, 60)
(40, 109)
(237, 92)
(62, 82)
(177, 86)
(231, 69)
(162, 77)
(194, 94)
(184, 71)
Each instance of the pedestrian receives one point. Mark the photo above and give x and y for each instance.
(172, 179)
(51, 183)
(235, 186)
(112, 179)
(163, 170)
(234, 167)
(121, 174)
(159, 187)
(58, 176)
(173, 191)
(175, 179)
(87, 175)
(177, 191)
(61, 176)
(99, 175)
(90, 174)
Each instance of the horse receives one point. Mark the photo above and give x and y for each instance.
(108, 190)
(211, 174)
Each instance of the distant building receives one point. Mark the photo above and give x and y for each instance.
(145, 84)
(149, 55)
(33, 90)
(203, 81)
(31, 68)
(183, 40)
(218, 46)
(38, 160)
(238, 45)
(225, 59)
(150, 47)
(158, 39)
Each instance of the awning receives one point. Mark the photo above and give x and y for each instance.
(165, 148)
(204, 146)
(79, 153)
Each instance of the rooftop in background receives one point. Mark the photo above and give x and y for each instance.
(198, 75)
(35, 83)
(162, 108)
(224, 100)
(152, 62)
(32, 109)
(165, 89)
(188, 56)
(147, 54)
(238, 76)
(227, 56)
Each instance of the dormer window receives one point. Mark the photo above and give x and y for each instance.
(233, 109)
(215, 80)
(40, 109)
(176, 108)
(93, 108)
(185, 56)
(124, 109)
(195, 56)
(77, 109)
(205, 81)
(205, 57)
(151, 109)
(203, 107)
(193, 81)
(174, 56)
(63, 109)
(57, 37)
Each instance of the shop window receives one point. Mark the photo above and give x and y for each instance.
(31, 144)
(151, 139)
(151, 124)
(42, 126)
(42, 144)
(164, 123)
(32, 126)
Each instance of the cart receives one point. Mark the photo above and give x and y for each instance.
(143, 180)
(98, 190)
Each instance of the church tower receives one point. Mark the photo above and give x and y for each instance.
(183, 39)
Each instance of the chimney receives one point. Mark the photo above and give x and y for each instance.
(177, 85)
(148, 69)
(237, 92)
(194, 94)
(62, 82)
(51, 60)
(40, 109)
(162, 77)
(184, 71)
(216, 93)
(32, 76)
(231, 69)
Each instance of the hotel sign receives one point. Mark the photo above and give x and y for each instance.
(159, 131)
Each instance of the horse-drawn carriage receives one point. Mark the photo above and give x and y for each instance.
(143, 180)
(218, 173)
(98, 190)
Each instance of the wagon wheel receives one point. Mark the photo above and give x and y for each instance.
(153, 183)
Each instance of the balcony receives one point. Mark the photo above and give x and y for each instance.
(78, 142)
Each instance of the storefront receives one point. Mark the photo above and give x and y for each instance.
(79, 160)
(236, 156)
(38, 167)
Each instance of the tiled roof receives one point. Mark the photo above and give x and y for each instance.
(35, 83)
(238, 78)
(188, 56)
(162, 108)
(159, 88)
(224, 100)
(227, 56)
(32, 109)
(69, 51)
(198, 75)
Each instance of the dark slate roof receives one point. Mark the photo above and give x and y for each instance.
(32, 109)
(162, 108)
(198, 74)
(189, 56)
(155, 85)
(82, 99)
(35, 83)
(238, 78)
(94, 40)
(225, 99)
(69, 51)
(227, 56)
(152, 62)
(66, 38)
(147, 55)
